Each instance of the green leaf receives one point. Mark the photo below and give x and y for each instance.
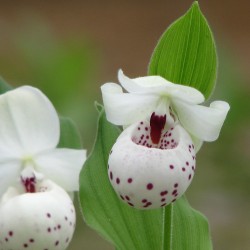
(4, 86)
(186, 53)
(69, 135)
(176, 227)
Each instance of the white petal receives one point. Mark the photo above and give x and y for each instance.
(159, 85)
(148, 178)
(202, 122)
(9, 173)
(125, 108)
(43, 220)
(63, 166)
(29, 122)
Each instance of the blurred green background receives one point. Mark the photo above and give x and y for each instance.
(69, 48)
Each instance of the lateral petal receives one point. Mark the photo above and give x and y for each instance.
(202, 122)
(126, 108)
(62, 166)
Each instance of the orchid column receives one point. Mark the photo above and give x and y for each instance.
(36, 177)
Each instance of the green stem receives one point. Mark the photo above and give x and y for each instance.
(167, 227)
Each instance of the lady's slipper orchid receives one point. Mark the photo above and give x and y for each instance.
(35, 211)
(37, 221)
(155, 94)
(152, 162)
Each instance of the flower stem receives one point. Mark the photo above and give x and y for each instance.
(167, 227)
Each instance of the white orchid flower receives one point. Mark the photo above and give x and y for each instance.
(30, 165)
(37, 221)
(152, 162)
(155, 94)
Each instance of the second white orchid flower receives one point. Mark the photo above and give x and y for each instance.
(36, 212)
(152, 162)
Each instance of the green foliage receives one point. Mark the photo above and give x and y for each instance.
(177, 226)
(69, 135)
(186, 53)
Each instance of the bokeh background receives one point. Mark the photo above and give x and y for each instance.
(69, 48)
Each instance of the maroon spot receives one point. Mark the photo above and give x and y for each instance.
(174, 192)
(187, 163)
(147, 204)
(59, 226)
(111, 175)
(176, 185)
(142, 136)
(173, 200)
(6, 239)
(25, 245)
(172, 140)
(49, 229)
(141, 123)
(163, 199)
(150, 186)
(146, 128)
(193, 146)
(139, 128)
(157, 124)
(66, 218)
(31, 240)
(122, 197)
(130, 204)
(183, 169)
(57, 242)
(127, 198)
(147, 137)
(171, 166)
(48, 215)
(117, 180)
(189, 177)
(130, 180)
(10, 233)
(164, 193)
(169, 134)
(164, 204)
(192, 167)
(144, 201)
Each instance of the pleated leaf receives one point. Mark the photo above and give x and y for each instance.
(186, 53)
(176, 227)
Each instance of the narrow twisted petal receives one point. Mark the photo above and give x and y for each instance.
(63, 166)
(146, 177)
(125, 108)
(29, 123)
(44, 220)
(9, 173)
(202, 122)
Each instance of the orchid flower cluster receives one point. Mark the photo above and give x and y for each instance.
(153, 160)
(36, 178)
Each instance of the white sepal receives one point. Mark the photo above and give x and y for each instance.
(41, 220)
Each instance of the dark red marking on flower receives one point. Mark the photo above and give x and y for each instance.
(10, 233)
(174, 192)
(173, 200)
(48, 215)
(187, 163)
(189, 177)
(163, 199)
(183, 169)
(6, 239)
(66, 218)
(25, 245)
(122, 197)
(57, 242)
(29, 184)
(130, 204)
(164, 193)
(144, 201)
(148, 204)
(171, 166)
(127, 197)
(59, 226)
(150, 186)
(157, 123)
(130, 180)
(111, 175)
(49, 229)
(163, 205)
(117, 181)
(176, 185)
(31, 240)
